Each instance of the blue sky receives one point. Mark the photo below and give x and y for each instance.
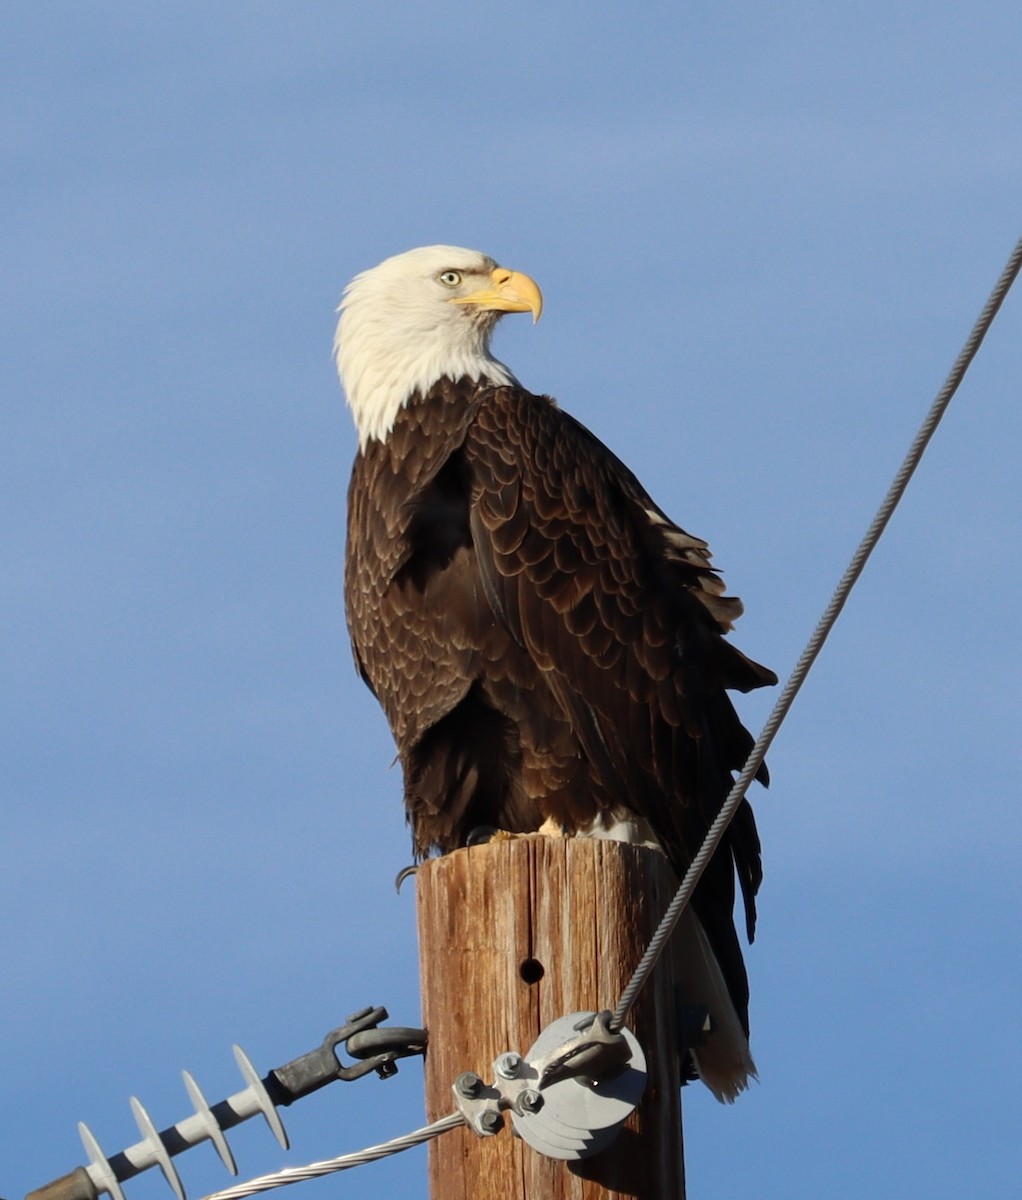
(762, 232)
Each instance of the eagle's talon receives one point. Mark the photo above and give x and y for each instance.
(402, 876)
(485, 833)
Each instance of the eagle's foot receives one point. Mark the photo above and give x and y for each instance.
(489, 833)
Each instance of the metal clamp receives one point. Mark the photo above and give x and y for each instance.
(376, 1048)
(594, 1051)
(571, 1094)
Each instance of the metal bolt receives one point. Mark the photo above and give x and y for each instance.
(508, 1065)
(530, 1101)
(491, 1122)
(468, 1085)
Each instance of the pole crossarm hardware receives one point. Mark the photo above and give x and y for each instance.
(568, 1099)
(375, 1049)
(569, 1096)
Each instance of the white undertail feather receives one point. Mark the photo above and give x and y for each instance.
(618, 825)
(398, 334)
(724, 1062)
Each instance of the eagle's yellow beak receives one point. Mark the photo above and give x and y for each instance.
(511, 292)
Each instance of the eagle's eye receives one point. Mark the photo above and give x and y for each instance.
(450, 279)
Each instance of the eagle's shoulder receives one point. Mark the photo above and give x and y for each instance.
(571, 476)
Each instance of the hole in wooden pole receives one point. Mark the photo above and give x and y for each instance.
(531, 970)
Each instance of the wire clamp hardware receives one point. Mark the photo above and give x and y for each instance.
(569, 1096)
(593, 1050)
(377, 1049)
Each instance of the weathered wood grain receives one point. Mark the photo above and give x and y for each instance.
(580, 912)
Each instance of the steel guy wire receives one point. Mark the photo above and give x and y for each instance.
(780, 710)
(263, 1183)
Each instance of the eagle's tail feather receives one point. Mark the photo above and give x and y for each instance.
(724, 1061)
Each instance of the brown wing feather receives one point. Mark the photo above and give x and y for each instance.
(586, 572)
(481, 741)
(625, 617)
(395, 620)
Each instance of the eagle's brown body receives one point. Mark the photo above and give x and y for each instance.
(544, 641)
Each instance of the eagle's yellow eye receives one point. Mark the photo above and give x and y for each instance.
(450, 278)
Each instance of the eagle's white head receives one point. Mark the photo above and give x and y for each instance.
(418, 317)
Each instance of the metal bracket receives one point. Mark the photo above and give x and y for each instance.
(515, 1087)
(569, 1096)
(594, 1051)
(377, 1048)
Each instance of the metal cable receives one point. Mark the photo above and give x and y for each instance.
(716, 831)
(264, 1183)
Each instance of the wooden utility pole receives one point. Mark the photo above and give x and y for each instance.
(513, 935)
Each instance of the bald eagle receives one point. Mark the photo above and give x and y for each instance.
(547, 645)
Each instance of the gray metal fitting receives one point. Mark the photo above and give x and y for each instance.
(508, 1065)
(578, 1116)
(468, 1085)
(490, 1122)
(529, 1101)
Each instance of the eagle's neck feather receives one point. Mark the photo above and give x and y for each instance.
(382, 368)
